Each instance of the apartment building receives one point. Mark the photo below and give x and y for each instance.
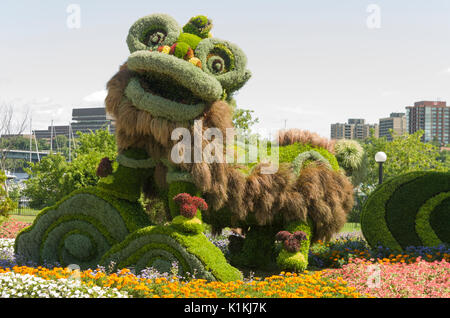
(395, 122)
(355, 128)
(433, 117)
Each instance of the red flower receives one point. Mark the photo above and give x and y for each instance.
(291, 242)
(172, 49)
(104, 168)
(189, 204)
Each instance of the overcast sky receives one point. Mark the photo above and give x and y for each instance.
(313, 62)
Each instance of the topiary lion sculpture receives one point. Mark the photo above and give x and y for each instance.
(185, 78)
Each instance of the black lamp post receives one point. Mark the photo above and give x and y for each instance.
(380, 157)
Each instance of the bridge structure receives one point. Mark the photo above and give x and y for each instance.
(24, 154)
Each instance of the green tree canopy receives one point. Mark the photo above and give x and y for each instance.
(6, 204)
(405, 153)
(243, 119)
(53, 178)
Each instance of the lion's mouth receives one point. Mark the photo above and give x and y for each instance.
(167, 88)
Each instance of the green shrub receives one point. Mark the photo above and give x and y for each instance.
(6, 204)
(80, 228)
(401, 211)
(290, 152)
(160, 246)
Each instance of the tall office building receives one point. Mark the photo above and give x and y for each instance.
(433, 117)
(396, 122)
(355, 128)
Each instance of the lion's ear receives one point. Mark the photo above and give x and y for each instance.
(153, 31)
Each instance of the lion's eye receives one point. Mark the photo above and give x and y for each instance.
(216, 64)
(155, 37)
(220, 60)
(151, 32)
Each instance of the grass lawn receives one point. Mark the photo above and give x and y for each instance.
(351, 227)
(23, 218)
(24, 215)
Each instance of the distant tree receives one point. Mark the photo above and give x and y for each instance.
(43, 144)
(61, 144)
(6, 204)
(435, 142)
(47, 183)
(10, 124)
(53, 178)
(243, 119)
(405, 153)
(444, 157)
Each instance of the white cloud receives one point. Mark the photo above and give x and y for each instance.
(96, 97)
(41, 110)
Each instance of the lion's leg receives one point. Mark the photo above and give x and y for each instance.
(126, 177)
(295, 242)
(257, 249)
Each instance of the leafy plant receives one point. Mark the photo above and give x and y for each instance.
(405, 154)
(54, 177)
(6, 204)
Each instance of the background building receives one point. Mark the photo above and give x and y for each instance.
(355, 128)
(431, 116)
(396, 122)
(91, 119)
(84, 120)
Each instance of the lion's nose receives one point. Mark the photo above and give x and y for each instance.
(183, 51)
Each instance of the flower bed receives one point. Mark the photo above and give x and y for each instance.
(11, 227)
(14, 285)
(421, 279)
(338, 252)
(418, 272)
(285, 285)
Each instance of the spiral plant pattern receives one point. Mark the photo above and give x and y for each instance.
(409, 210)
(79, 229)
(160, 246)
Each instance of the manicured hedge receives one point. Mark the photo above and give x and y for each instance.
(159, 246)
(80, 228)
(132, 168)
(403, 211)
(289, 153)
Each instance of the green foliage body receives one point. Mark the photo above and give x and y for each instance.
(160, 246)
(80, 228)
(409, 210)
